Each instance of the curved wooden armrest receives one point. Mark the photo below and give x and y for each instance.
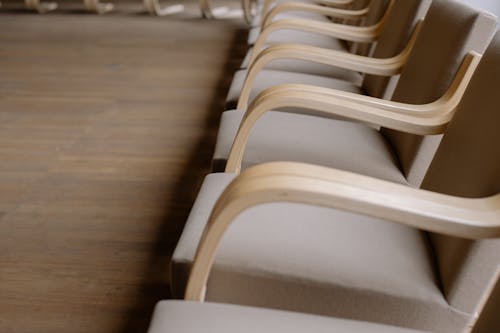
(368, 65)
(98, 7)
(425, 119)
(312, 8)
(325, 187)
(154, 7)
(341, 31)
(40, 6)
(266, 5)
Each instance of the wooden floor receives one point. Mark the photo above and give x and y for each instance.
(107, 125)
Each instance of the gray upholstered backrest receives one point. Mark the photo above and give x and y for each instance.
(467, 164)
(395, 35)
(377, 9)
(451, 30)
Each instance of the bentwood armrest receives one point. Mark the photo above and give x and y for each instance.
(340, 31)
(424, 119)
(332, 3)
(375, 66)
(313, 8)
(314, 185)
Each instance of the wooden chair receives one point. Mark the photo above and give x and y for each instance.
(193, 317)
(294, 63)
(429, 88)
(41, 7)
(319, 33)
(318, 240)
(98, 7)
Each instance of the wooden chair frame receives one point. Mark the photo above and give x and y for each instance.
(375, 66)
(341, 31)
(313, 8)
(331, 3)
(326, 187)
(41, 7)
(98, 7)
(154, 7)
(424, 119)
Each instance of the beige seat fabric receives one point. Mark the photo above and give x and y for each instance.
(192, 317)
(342, 80)
(293, 137)
(317, 260)
(467, 164)
(330, 262)
(392, 41)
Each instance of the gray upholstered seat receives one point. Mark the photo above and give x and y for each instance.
(309, 256)
(325, 261)
(455, 27)
(282, 136)
(193, 317)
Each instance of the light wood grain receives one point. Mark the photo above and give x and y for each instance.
(313, 8)
(107, 126)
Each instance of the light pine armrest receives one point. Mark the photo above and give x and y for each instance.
(366, 34)
(375, 66)
(340, 31)
(267, 4)
(424, 119)
(313, 8)
(325, 187)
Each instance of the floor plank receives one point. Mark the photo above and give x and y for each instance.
(107, 125)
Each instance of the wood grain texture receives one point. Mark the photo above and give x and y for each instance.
(107, 125)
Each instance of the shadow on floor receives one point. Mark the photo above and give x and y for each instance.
(155, 285)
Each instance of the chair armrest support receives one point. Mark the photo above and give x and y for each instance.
(320, 186)
(375, 66)
(313, 8)
(424, 119)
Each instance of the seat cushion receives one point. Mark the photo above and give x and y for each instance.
(194, 317)
(280, 136)
(316, 260)
(343, 80)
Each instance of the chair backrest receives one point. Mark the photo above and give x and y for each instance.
(451, 30)
(467, 164)
(395, 35)
(376, 10)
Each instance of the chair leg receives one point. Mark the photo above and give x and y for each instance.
(154, 8)
(40, 7)
(98, 7)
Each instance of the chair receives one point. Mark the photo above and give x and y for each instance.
(433, 80)
(312, 239)
(317, 33)
(193, 317)
(41, 7)
(286, 63)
